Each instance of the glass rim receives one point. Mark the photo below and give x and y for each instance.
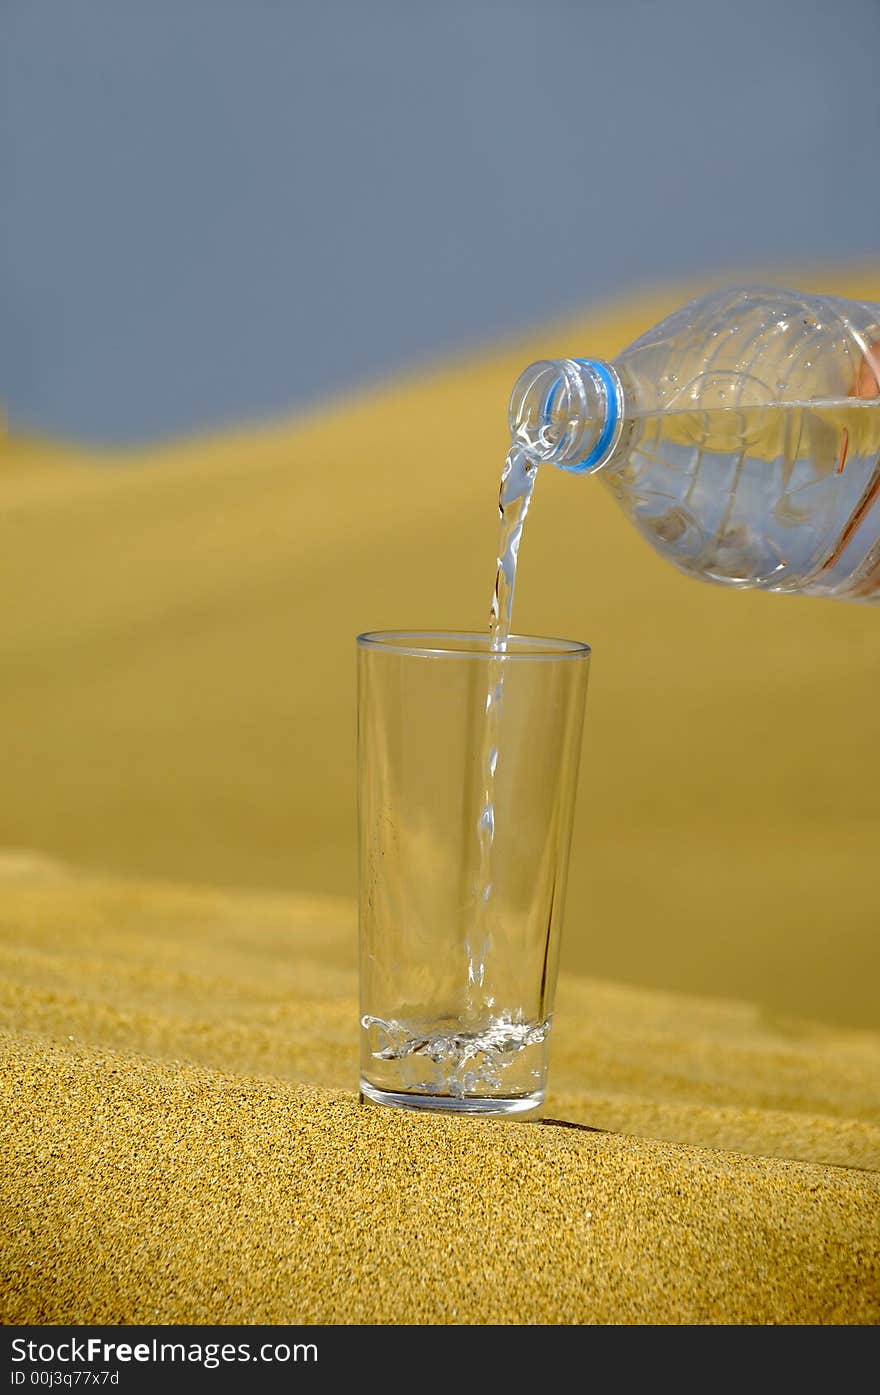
(470, 644)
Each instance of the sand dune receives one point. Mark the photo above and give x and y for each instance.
(178, 1072)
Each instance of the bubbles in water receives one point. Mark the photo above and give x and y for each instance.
(459, 1061)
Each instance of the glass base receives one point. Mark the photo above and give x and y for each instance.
(484, 1106)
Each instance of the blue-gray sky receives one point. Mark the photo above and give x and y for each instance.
(216, 211)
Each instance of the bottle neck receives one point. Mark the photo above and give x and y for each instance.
(568, 412)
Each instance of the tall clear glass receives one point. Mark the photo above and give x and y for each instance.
(467, 771)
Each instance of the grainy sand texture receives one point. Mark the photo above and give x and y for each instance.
(182, 1140)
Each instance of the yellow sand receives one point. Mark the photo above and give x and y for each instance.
(183, 1142)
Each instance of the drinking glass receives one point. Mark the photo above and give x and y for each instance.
(467, 771)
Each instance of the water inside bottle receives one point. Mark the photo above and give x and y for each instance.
(782, 497)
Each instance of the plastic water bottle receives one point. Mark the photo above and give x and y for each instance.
(741, 435)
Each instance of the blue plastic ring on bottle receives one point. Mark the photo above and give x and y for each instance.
(612, 413)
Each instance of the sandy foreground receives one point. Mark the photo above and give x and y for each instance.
(183, 1140)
